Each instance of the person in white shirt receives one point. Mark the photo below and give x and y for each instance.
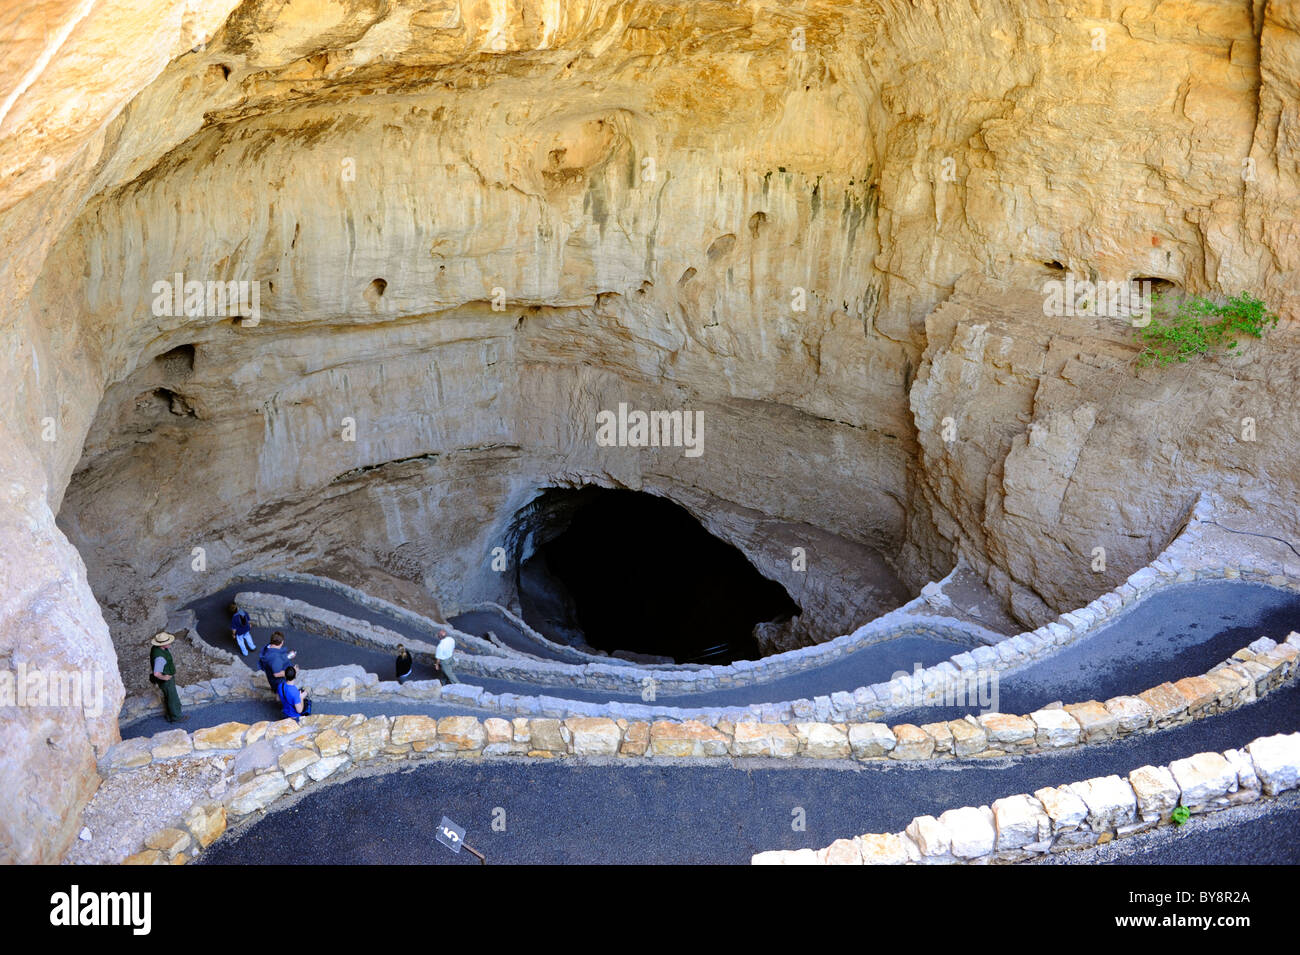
(442, 657)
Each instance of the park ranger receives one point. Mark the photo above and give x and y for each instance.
(163, 675)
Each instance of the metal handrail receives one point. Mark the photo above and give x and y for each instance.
(718, 650)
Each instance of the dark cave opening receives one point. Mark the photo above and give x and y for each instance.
(634, 574)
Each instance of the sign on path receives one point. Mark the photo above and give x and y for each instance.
(453, 837)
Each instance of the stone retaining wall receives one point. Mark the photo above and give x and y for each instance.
(1179, 562)
(274, 610)
(269, 760)
(1074, 816)
(412, 619)
(864, 704)
(1250, 673)
(271, 610)
(609, 673)
(1182, 562)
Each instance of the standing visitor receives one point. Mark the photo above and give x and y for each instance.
(292, 703)
(162, 674)
(442, 661)
(404, 663)
(241, 628)
(275, 660)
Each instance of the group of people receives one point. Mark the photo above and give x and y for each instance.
(282, 677)
(441, 660)
(276, 661)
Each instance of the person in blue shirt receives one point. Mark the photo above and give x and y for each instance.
(275, 660)
(292, 703)
(241, 628)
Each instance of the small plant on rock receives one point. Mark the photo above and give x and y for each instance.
(1180, 815)
(1198, 325)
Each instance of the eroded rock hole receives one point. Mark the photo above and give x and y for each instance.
(164, 400)
(178, 362)
(720, 247)
(636, 575)
(1158, 286)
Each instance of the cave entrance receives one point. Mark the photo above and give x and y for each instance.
(637, 576)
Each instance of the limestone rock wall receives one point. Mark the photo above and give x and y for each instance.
(1065, 467)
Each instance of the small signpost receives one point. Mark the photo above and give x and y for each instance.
(453, 837)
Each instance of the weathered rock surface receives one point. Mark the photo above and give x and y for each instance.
(740, 224)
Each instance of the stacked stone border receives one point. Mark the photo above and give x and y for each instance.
(866, 704)
(1180, 561)
(1074, 816)
(273, 611)
(270, 610)
(266, 760)
(417, 621)
(1183, 561)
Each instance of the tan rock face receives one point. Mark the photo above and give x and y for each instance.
(764, 739)
(413, 729)
(459, 733)
(732, 224)
(206, 823)
(689, 738)
(594, 736)
(224, 736)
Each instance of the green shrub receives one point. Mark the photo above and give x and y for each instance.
(1198, 325)
(1180, 815)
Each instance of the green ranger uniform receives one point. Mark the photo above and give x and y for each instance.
(168, 687)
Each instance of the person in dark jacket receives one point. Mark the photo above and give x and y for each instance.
(241, 628)
(162, 674)
(275, 659)
(404, 663)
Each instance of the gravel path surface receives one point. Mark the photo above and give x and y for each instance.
(873, 664)
(129, 807)
(1178, 632)
(586, 811)
(1261, 833)
(1182, 631)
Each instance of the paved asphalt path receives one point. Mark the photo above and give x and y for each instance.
(572, 811)
(870, 665)
(1267, 840)
(314, 652)
(1181, 631)
(479, 622)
